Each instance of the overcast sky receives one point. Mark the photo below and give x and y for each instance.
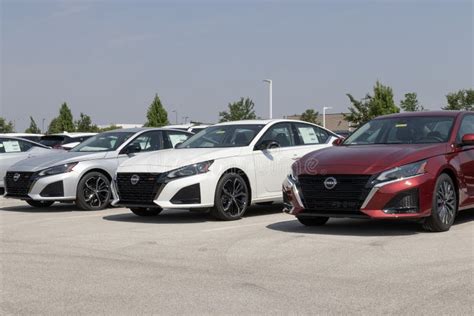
(108, 58)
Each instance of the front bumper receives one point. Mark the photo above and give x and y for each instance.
(375, 205)
(172, 194)
(40, 188)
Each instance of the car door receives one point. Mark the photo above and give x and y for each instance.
(173, 138)
(310, 138)
(273, 164)
(466, 159)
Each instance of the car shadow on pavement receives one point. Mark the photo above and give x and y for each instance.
(187, 217)
(363, 227)
(55, 208)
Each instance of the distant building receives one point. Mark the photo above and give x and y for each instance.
(334, 121)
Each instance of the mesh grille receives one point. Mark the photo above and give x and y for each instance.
(143, 192)
(21, 186)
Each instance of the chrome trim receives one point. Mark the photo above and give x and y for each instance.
(291, 185)
(382, 184)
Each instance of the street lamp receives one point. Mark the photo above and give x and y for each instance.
(324, 114)
(269, 96)
(176, 115)
(185, 119)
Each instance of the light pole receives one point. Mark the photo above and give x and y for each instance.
(176, 115)
(42, 126)
(324, 114)
(185, 119)
(270, 93)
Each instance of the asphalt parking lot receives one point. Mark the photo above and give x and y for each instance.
(61, 260)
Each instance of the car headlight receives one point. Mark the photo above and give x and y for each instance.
(402, 172)
(293, 173)
(67, 167)
(191, 170)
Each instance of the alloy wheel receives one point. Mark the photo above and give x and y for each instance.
(234, 196)
(446, 202)
(96, 191)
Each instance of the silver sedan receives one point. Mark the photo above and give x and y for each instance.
(83, 175)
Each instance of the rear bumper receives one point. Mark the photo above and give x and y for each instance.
(375, 204)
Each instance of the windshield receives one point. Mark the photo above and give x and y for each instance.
(403, 130)
(223, 136)
(103, 142)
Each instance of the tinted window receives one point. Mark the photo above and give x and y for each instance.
(148, 141)
(223, 136)
(280, 133)
(52, 141)
(403, 130)
(309, 134)
(109, 141)
(467, 127)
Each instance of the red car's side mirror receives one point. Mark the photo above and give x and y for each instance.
(467, 140)
(338, 141)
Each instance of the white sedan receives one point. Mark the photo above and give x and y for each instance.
(224, 168)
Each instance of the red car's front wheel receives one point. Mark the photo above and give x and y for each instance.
(445, 205)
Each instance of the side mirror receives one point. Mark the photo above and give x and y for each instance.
(268, 144)
(178, 145)
(467, 140)
(132, 149)
(338, 141)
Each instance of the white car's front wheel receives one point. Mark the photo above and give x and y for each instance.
(231, 198)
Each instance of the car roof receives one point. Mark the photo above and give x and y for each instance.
(422, 113)
(20, 134)
(141, 129)
(73, 134)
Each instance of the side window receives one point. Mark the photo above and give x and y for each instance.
(309, 134)
(280, 133)
(173, 137)
(149, 141)
(467, 127)
(25, 146)
(11, 146)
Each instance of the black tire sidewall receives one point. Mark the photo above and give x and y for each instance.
(80, 198)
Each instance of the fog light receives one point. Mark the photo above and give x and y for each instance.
(404, 203)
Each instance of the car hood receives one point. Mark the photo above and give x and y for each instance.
(53, 159)
(166, 160)
(365, 159)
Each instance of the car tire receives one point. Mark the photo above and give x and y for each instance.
(232, 197)
(40, 204)
(444, 206)
(146, 211)
(313, 221)
(93, 192)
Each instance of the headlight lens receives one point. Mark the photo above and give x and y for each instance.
(191, 170)
(405, 171)
(57, 169)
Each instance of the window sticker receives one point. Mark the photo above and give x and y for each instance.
(12, 146)
(401, 125)
(308, 135)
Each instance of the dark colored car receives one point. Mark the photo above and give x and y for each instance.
(403, 166)
(65, 141)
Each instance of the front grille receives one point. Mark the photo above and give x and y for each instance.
(143, 192)
(18, 184)
(348, 195)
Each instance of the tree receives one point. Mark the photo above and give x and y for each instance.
(33, 129)
(310, 116)
(460, 100)
(6, 127)
(240, 110)
(156, 115)
(410, 103)
(380, 103)
(63, 122)
(84, 124)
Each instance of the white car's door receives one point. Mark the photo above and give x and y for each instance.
(272, 164)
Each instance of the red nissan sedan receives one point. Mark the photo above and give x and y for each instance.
(402, 166)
